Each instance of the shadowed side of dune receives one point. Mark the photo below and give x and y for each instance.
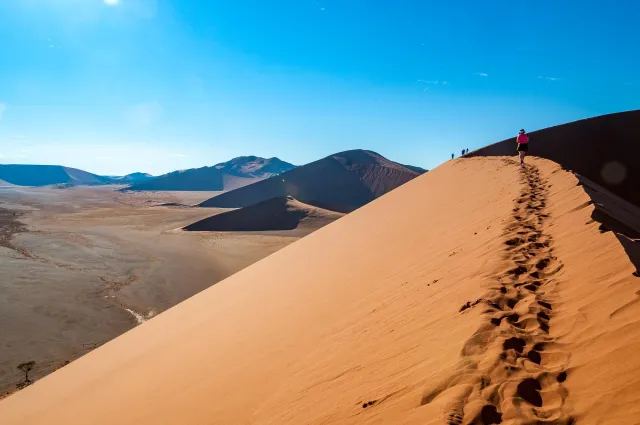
(283, 213)
(342, 182)
(605, 149)
(616, 215)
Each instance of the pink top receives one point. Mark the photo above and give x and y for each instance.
(523, 138)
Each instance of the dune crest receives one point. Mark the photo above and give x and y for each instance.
(603, 149)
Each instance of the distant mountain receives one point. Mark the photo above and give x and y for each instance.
(253, 166)
(133, 178)
(229, 175)
(44, 175)
(342, 182)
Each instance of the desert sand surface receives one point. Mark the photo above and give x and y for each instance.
(275, 214)
(81, 266)
(482, 292)
(604, 149)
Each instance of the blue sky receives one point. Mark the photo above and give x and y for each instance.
(116, 86)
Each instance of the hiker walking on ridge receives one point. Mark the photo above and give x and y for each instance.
(523, 145)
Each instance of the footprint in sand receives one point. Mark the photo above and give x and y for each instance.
(521, 335)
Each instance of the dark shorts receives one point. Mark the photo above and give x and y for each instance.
(523, 147)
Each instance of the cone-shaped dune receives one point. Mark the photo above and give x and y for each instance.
(481, 292)
(341, 182)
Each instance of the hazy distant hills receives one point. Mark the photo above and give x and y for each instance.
(133, 178)
(229, 175)
(341, 182)
(44, 175)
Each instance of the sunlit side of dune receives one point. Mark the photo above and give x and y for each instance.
(388, 316)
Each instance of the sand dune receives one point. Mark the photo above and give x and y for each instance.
(604, 149)
(274, 214)
(342, 182)
(490, 296)
(229, 175)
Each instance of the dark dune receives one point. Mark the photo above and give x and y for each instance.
(228, 175)
(605, 149)
(274, 214)
(44, 175)
(342, 182)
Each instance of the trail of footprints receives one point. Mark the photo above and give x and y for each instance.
(512, 371)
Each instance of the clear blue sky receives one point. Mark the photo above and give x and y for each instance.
(157, 85)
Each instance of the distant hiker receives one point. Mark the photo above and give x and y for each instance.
(467, 151)
(523, 145)
(462, 152)
(452, 156)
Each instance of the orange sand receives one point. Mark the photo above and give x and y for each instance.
(367, 309)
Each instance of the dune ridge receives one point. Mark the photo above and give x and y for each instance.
(603, 149)
(386, 325)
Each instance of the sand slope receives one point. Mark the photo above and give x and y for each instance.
(229, 175)
(274, 214)
(605, 149)
(341, 182)
(479, 292)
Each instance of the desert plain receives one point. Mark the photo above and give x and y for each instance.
(80, 266)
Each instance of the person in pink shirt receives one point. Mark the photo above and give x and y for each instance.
(523, 145)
